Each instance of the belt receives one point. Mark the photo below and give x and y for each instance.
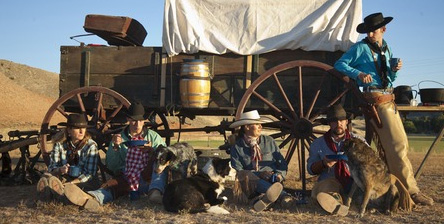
(380, 98)
(370, 89)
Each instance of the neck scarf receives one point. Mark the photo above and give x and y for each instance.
(256, 154)
(73, 154)
(342, 173)
(374, 47)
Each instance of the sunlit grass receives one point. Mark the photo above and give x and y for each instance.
(417, 143)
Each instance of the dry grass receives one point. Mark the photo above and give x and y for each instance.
(19, 204)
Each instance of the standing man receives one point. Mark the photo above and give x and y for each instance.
(367, 62)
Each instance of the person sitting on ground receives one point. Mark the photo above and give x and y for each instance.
(148, 181)
(260, 166)
(75, 151)
(334, 176)
(367, 62)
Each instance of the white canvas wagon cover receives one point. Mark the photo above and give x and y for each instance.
(248, 27)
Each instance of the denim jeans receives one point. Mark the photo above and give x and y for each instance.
(263, 185)
(158, 181)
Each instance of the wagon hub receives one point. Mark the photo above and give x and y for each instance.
(303, 128)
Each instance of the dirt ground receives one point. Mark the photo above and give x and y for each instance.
(19, 204)
(26, 95)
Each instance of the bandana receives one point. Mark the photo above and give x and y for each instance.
(256, 155)
(382, 71)
(73, 151)
(342, 173)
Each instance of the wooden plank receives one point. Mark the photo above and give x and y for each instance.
(163, 80)
(248, 69)
(420, 108)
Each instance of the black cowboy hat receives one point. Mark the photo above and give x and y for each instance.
(136, 111)
(76, 121)
(336, 113)
(373, 22)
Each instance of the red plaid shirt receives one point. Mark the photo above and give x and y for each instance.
(136, 161)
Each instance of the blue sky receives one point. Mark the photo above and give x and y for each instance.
(33, 31)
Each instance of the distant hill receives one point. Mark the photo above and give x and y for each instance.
(26, 95)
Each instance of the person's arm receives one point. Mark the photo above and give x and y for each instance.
(90, 162)
(155, 139)
(281, 163)
(55, 161)
(392, 72)
(235, 158)
(348, 62)
(116, 155)
(315, 163)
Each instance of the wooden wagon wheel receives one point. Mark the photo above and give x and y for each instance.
(89, 101)
(158, 122)
(298, 94)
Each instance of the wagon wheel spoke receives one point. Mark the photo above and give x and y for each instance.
(109, 118)
(302, 147)
(81, 104)
(278, 135)
(62, 111)
(285, 142)
(159, 123)
(272, 106)
(319, 131)
(331, 103)
(315, 98)
(291, 150)
(98, 113)
(284, 95)
(301, 98)
(311, 138)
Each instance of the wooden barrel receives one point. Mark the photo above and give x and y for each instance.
(195, 85)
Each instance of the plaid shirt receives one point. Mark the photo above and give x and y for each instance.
(116, 159)
(88, 158)
(136, 161)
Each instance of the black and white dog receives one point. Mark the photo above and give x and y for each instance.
(180, 158)
(199, 193)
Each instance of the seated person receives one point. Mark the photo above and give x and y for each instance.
(257, 158)
(126, 182)
(75, 149)
(334, 180)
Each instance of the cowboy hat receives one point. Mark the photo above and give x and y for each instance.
(373, 22)
(250, 117)
(136, 111)
(336, 113)
(76, 121)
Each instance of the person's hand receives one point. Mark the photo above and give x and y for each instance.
(365, 78)
(64, 169)
(329, 162)
(397, 68)
(279, 178)
(265, 175)
(147, 147)
(117, 140)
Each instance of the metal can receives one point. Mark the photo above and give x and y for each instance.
(273, 178)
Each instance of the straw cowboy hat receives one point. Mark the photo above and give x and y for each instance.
(250, 117)
(76, 121)
(336, 113)
(373, 22)
(136, 111)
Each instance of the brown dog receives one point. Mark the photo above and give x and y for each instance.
(371, 175)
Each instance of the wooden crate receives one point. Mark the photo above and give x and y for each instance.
(116, 30)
